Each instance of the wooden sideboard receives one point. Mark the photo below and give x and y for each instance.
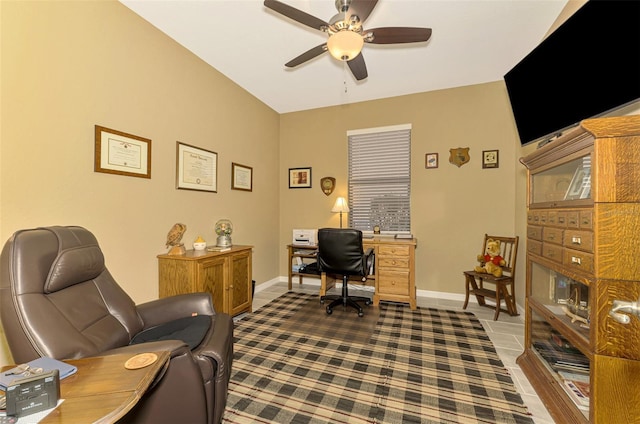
(394, 270)
(226, 275)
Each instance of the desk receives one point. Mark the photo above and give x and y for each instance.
(102, 390)
(394, 270)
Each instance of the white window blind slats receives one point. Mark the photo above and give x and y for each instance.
(380, 180)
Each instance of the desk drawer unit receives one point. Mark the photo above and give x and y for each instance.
(395, 279)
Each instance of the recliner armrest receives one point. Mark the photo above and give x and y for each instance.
(167, 309)
(176, 347)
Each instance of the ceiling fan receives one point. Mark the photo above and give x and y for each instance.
(346, 34)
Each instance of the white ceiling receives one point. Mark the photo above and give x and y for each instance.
(473, 42)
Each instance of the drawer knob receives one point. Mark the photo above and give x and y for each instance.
(550, 253)
(576, 260)
(576, 240)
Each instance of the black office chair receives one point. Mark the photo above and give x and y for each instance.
(340, 252)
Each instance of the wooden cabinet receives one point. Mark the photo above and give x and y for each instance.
(226, 275)
(583, 221)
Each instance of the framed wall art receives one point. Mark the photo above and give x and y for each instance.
(490, 159)
(196, 168)
(120, 153)
(431, 160)
(241, 177)
(299, 177)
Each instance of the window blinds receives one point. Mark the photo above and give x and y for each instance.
(380, 179)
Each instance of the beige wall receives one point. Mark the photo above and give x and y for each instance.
(452, 207)
(67, 66)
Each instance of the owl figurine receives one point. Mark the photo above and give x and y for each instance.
(173, 239)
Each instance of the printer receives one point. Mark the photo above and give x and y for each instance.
(303, 237)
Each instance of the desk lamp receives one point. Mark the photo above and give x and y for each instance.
(340, 206)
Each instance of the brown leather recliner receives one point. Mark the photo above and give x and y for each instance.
(58, 299)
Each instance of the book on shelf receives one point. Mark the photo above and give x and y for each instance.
(578, 392)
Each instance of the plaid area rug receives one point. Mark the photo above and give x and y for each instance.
(421, 366)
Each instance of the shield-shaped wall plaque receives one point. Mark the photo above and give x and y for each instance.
(327, 184)
(459, 156)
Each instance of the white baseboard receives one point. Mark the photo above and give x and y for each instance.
(420, 293)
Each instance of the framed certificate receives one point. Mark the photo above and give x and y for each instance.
(196, 168)
(241, 177)
(120, 153)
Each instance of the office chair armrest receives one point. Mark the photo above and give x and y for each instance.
(369, 258)
(167, 309)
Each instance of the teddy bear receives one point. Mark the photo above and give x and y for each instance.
(491, 262)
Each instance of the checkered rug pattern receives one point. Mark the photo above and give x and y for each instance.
(421, 366)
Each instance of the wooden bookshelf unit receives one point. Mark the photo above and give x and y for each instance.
(583, 254)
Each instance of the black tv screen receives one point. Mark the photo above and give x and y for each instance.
(587, 67)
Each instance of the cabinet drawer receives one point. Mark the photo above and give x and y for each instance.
(552, 235)
(586, 219)
(573, 219)
(562, 218)
(530, 216)
(581, 240)
(393, 262)
(552, 252)
(578, 260)
(387, 250)
(534, 246)
(552, 218)
(393, 282)
(534, 232)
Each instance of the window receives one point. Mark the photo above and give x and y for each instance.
(380, 179)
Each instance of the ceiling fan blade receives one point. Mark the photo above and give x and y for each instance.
(358, 67)
(396, 35)
(308, 55)
(362, 8)
(296, 14)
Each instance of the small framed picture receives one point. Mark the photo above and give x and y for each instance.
(490, 159)
(431, 160)
(299, 177)
(241, 177)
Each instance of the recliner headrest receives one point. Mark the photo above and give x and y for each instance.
(77, 261)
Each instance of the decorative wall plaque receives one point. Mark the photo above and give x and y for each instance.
(459, 156)
(327, 184)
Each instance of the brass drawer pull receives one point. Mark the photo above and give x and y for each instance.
(576, 240)
(576, 260)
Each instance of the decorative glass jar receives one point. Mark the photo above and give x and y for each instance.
(223, 229)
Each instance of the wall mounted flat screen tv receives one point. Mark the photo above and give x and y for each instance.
(587, 67)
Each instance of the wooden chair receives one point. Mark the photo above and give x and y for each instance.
(504, 285)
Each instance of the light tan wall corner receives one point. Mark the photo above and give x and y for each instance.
(67, 66)
(452, 207)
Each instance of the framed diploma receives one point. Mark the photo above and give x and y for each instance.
(196, 168)
(241, 177)
(120, 153)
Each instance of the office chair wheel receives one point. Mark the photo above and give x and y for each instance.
(329, 310)
(368, 302)
(360, 314)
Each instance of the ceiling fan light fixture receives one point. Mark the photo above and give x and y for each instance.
(345, 45)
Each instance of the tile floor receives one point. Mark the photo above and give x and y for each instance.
(507, 335)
